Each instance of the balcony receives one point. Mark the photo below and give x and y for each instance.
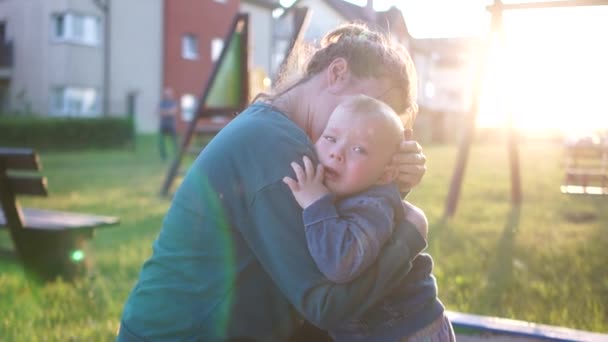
(6, 60)
(6, 55)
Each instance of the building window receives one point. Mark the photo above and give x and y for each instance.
(188, 107)
(74, 101)
(217, 44)
(189, 46)
(76, 28)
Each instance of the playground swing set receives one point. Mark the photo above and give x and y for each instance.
(586, 167)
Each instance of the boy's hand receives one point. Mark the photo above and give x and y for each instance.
(308, 187)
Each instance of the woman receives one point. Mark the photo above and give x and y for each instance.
(231, 260)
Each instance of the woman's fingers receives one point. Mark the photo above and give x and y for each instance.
(410, 175)
(408, 134)
(416, 158)
(409, 146)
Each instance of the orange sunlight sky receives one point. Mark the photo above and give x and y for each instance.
(553, 66)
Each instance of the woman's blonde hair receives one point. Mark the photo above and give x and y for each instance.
(368, 54)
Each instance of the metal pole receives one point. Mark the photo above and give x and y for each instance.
(469, 132)
(106, 60)
(512, 148)
(104, 6)
(551, 4)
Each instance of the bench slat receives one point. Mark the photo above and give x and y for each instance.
(19, 158)
(584, 190)
(60, 220)
(28, 185)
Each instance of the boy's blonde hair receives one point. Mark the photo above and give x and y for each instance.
(376, 110)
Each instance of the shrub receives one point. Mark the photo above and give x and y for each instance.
(51, 133)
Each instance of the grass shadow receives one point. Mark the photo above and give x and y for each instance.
(500, 271)
(438, 229)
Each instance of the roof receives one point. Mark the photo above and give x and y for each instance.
(391, 21)
(351, 11)
(270, 4)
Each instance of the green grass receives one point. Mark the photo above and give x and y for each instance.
(544, 262)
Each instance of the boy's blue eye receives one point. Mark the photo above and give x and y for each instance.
(359, 149)
(330, 138)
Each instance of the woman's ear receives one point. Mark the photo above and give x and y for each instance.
(390, 173)
(337, 71)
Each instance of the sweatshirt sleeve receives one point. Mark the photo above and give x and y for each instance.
(344, 239)
(276, 237)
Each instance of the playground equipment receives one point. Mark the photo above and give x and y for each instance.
(496, 32)
(227, 91)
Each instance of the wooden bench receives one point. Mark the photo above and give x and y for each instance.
(586, 169)
(48, 243)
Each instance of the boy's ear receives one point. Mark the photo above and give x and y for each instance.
(390, 174)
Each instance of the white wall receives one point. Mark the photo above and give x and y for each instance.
(29, 74)
(136, 59)
(260, 35)
(39, 63)
(324, 19)
(452, 84)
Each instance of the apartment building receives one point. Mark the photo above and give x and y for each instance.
(61, 58)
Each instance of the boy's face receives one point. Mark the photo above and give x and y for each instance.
(355, 151)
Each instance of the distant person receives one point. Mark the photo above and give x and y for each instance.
(167, 110)
(351, 208)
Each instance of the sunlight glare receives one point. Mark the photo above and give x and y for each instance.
(552, 69)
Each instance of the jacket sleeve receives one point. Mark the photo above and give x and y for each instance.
(276, 237)
(344, 239)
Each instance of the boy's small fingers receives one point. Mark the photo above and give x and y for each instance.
(292, 184)
(320, 172)
(308, 168)
(298, 171)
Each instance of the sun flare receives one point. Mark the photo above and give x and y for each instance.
(551, 71)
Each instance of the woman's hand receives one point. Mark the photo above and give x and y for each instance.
(411, 163)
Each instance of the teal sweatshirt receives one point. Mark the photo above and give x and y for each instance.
(231, 259)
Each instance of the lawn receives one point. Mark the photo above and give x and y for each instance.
(544, 262)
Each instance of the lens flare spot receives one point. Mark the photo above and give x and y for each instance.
(77, 256)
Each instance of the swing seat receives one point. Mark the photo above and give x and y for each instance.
(586, 169)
